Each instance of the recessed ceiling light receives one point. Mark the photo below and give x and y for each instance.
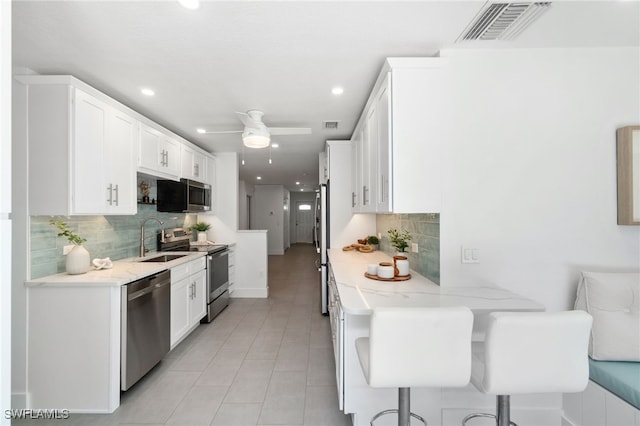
(274, 145)
(259, 177)
(201, 130)
(301, 189)
(337, 90)
(147, 92)
(190, 4)
(297, 183)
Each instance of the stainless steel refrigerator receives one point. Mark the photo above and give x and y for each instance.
(321, 239)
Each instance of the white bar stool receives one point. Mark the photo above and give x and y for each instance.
(531, 352)
(426, 347)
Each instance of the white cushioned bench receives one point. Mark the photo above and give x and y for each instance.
(613, 394)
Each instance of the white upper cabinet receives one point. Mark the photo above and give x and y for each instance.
(159, 153)
(211, 180)
(194, 164)
(404, 124)
(81, 150)
(383, 157)
(356, 172)
(104, 145)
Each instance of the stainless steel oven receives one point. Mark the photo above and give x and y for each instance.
(217, 282)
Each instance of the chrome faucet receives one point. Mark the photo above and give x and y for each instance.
(142, 249)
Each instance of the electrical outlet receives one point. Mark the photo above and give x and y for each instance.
(66, 249)
(379, 235)
(414, 247)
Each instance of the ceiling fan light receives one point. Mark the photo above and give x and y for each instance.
(256, 141)
(256, 138)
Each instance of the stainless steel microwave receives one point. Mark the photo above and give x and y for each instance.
(185, 196)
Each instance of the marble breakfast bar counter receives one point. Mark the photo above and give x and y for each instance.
(352, 298)
(359, 295)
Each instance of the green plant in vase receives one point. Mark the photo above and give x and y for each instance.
(66, 232)
(78, 258)
(201, 228)
(399, 239)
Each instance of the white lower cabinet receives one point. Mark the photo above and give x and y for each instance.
(336, 318)
(188, 298)
(232, 267)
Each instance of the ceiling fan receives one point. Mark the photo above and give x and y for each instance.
(256, 134)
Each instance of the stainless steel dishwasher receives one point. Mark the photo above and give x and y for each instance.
(145, 326)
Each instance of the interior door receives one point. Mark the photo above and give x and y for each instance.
(304, 221)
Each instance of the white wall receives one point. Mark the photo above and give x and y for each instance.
(268, 213)
(5, 209)
(243, 208)
(20, 264)
(530, 173)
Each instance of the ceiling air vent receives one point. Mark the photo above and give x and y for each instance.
(504, 21)
(330, 125)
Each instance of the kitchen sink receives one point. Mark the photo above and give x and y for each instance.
(164, 258)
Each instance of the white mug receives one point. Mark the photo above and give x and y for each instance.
(385, 270)
(372, 269)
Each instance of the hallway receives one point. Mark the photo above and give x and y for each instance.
(260, 362)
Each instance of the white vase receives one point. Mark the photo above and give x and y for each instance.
(202, 236)
(78, 260)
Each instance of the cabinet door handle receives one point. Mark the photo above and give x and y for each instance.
(165, 158)
(194, 290)
(110, 189)
(117, 195)
(353, 199)
(196, 170)
(382, 197)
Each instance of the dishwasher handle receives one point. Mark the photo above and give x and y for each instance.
(149, 289)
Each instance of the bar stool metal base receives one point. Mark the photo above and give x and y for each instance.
(403, 410)
(502, 416)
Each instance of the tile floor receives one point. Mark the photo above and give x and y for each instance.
(260, 362)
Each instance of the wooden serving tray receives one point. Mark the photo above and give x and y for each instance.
(377, 278)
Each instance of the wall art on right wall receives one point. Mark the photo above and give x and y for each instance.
(628, 147)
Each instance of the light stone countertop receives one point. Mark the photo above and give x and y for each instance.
(359, 295)
(123, 272)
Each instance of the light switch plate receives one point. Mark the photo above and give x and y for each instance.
(469, 255)
(414, 247)
(66, 249)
